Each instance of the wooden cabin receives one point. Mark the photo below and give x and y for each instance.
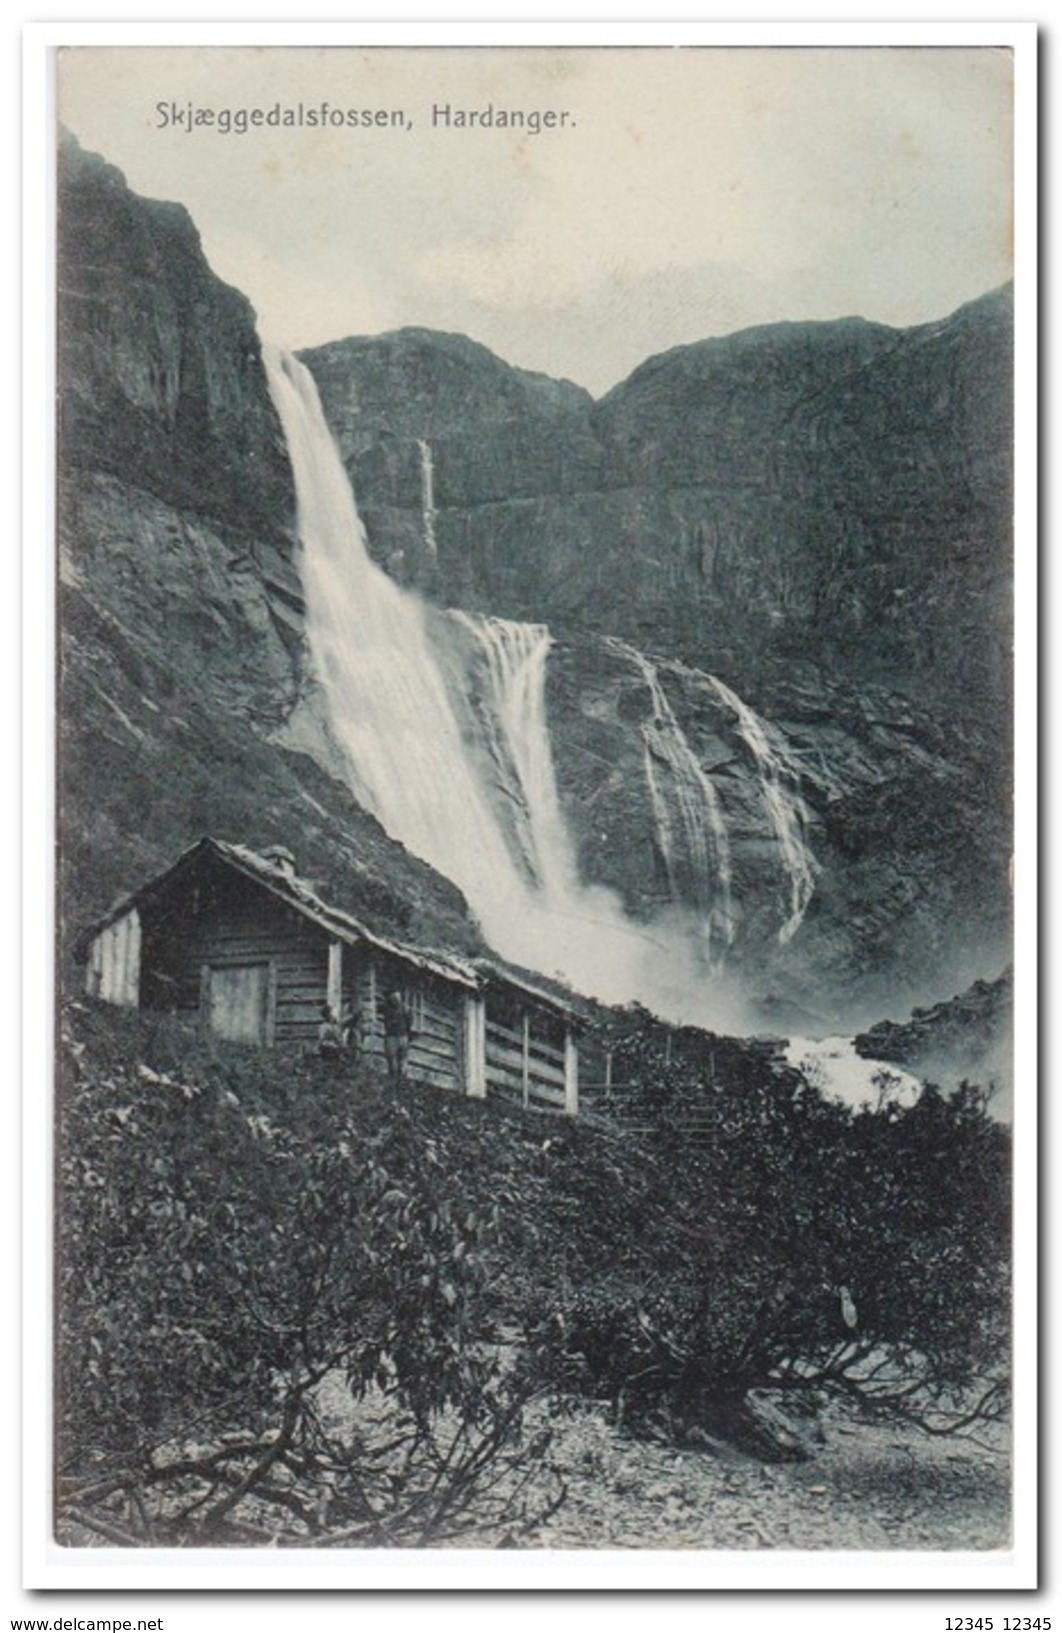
(236, 939)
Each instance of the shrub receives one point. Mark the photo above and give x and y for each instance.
(796, 1247)
(233, 1250)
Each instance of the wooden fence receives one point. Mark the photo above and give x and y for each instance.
(522, 1066)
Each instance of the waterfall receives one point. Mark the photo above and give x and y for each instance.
(427, 497)
(390, 708)
(688, 817)
(408, 731)
(514, 657)
(779, 785)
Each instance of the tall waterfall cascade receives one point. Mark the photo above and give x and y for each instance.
(442, 724)
(402, 722)
(390, 708)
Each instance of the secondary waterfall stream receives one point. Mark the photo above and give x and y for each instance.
(427, 497)
(514, 657)
(690, 827)
(779, 784)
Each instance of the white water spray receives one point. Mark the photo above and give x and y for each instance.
(838, 1072)
(779, 785)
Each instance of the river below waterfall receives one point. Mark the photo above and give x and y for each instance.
(832, 1066)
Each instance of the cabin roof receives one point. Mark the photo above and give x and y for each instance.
(295, 893)
(300, 895)
(495, 971)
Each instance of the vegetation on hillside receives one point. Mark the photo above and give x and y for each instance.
(293, 1308)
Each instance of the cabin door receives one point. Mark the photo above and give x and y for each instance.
(236, 1001)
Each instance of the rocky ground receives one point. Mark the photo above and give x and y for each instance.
(870, 1486)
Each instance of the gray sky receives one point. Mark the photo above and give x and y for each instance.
(690, 192)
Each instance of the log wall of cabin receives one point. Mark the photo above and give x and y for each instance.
(224, 920)
(113, 970)
(436, 1009)
(518, 1050)
(435, 1052)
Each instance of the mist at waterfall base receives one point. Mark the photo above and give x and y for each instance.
(440, 720)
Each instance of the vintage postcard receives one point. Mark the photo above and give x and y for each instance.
(535, 534)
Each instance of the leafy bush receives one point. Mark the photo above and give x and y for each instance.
(802, 1248)
(234, 1245)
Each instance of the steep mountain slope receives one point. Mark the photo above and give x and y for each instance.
(967, 1036)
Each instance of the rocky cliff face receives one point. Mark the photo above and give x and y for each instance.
(160, 372)
(176, 505)
(814, 518)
